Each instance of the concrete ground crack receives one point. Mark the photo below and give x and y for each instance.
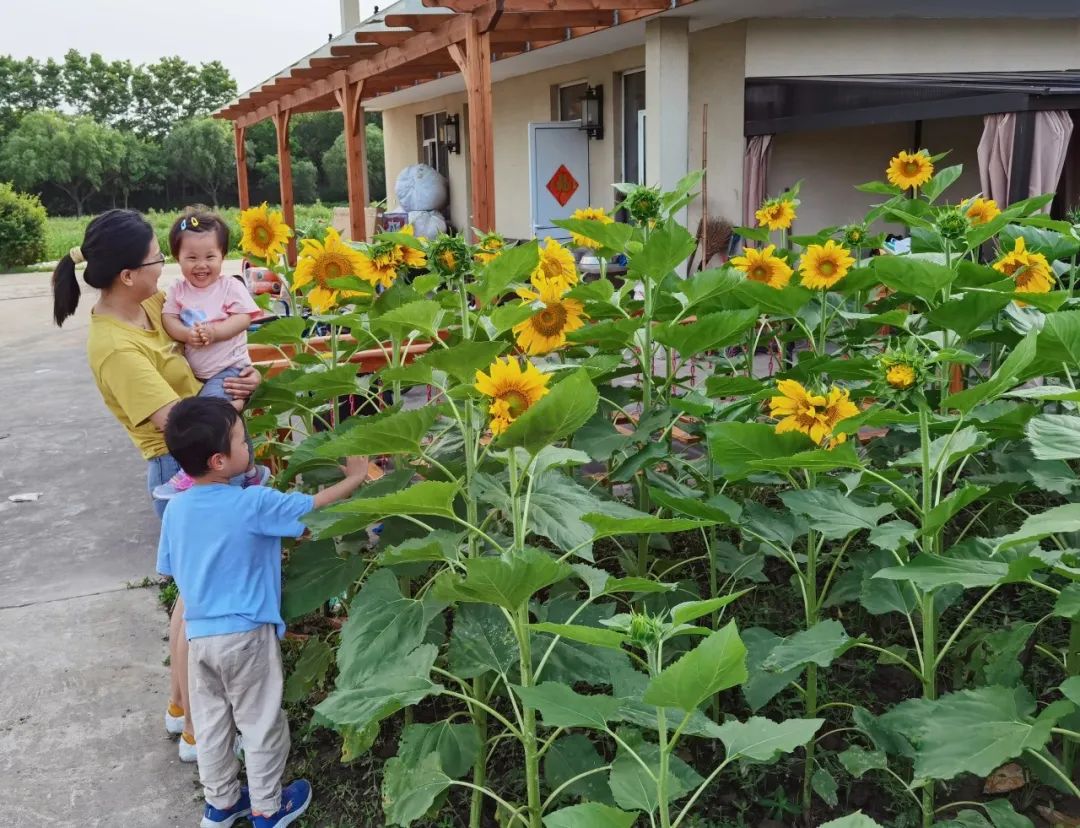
(66, 598)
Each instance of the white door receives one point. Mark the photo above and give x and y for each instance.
(559, 174)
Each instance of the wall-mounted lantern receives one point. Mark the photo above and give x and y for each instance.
(592, 112)
(453, 134)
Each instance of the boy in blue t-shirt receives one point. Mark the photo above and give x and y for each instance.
(222, 546)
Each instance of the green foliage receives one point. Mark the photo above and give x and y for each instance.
(201, 153)
(75, 154)
(560, 587)
(22, 228)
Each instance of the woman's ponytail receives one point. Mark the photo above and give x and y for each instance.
(114, 241)
(66, 291)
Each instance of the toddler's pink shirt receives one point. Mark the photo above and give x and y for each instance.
(224, 298)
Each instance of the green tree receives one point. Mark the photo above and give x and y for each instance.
(26, 85)
(173, 90)
(333, 167)
(138, 166)
(201, 153)
(96, 87)
(74, 153)
(304, 173)
(312, 134)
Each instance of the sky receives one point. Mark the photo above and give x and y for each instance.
(253, 38)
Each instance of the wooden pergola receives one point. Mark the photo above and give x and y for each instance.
(439, 38)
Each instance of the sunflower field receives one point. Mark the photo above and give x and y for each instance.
(796, 538)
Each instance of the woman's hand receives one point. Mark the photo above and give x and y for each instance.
(243, 386)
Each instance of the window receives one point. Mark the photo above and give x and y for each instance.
(570, 101)
(433, 150)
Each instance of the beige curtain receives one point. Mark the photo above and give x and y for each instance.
(755, 171)
(1052, 133)
(1053, 130)
(995, 156)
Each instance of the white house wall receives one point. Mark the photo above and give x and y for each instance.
(720, 58)
(853, 47)
(717, 58)
(831, 162)
(516, 102)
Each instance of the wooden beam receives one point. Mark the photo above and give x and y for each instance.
(317, 71)
(281, 118)
(383, 39)
(355, 52)
(348, 98)
(536, 20)
(418, 45)
(474, 60)
(416, 22)
(333, 62)
(241, 167)
(528, 35)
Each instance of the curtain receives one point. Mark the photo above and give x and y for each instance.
(1053, 130)
(755, 171)
(995, 156)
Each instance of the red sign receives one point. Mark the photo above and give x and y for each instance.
(562, 185)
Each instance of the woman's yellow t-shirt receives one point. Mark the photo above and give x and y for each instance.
(138, 372)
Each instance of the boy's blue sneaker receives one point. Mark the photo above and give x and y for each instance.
(224, 818)
(295, 798)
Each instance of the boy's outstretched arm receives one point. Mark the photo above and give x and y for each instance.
(356, 472)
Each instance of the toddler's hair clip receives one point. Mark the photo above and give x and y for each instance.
(186, 223)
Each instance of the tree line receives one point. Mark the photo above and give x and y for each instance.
(86, 133)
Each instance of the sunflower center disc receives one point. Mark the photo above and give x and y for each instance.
(551, 320)
(515, 401)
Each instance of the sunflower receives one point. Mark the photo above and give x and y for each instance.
(490, 246)
(900, 376)
(265, 232)
(854, 235)
(763, 266)
(410, 256)
(823, 265)
(379, 264)
(982, 210)
(1030, 271)
(546, 329)
(513, 390)
(838, 407)
(589, 214)
(449, 255)
(776, 214)
(556, 266)
(323, 262)
(799, 410)
(909, 169)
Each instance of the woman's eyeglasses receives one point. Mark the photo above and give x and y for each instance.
(151, 264)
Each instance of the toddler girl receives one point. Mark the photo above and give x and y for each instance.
(209, 314)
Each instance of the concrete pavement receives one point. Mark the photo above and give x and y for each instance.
(82, 682)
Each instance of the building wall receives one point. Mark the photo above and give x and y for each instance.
(516, 102)
(831, 162)
(720, 57)
(402, 148)
(717, 60)
(852, 47)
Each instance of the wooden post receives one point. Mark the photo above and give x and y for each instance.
(288, 207)
(475, 64)
(241, 167)
(348, 97)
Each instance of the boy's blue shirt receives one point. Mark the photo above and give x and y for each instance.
(222, 546)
